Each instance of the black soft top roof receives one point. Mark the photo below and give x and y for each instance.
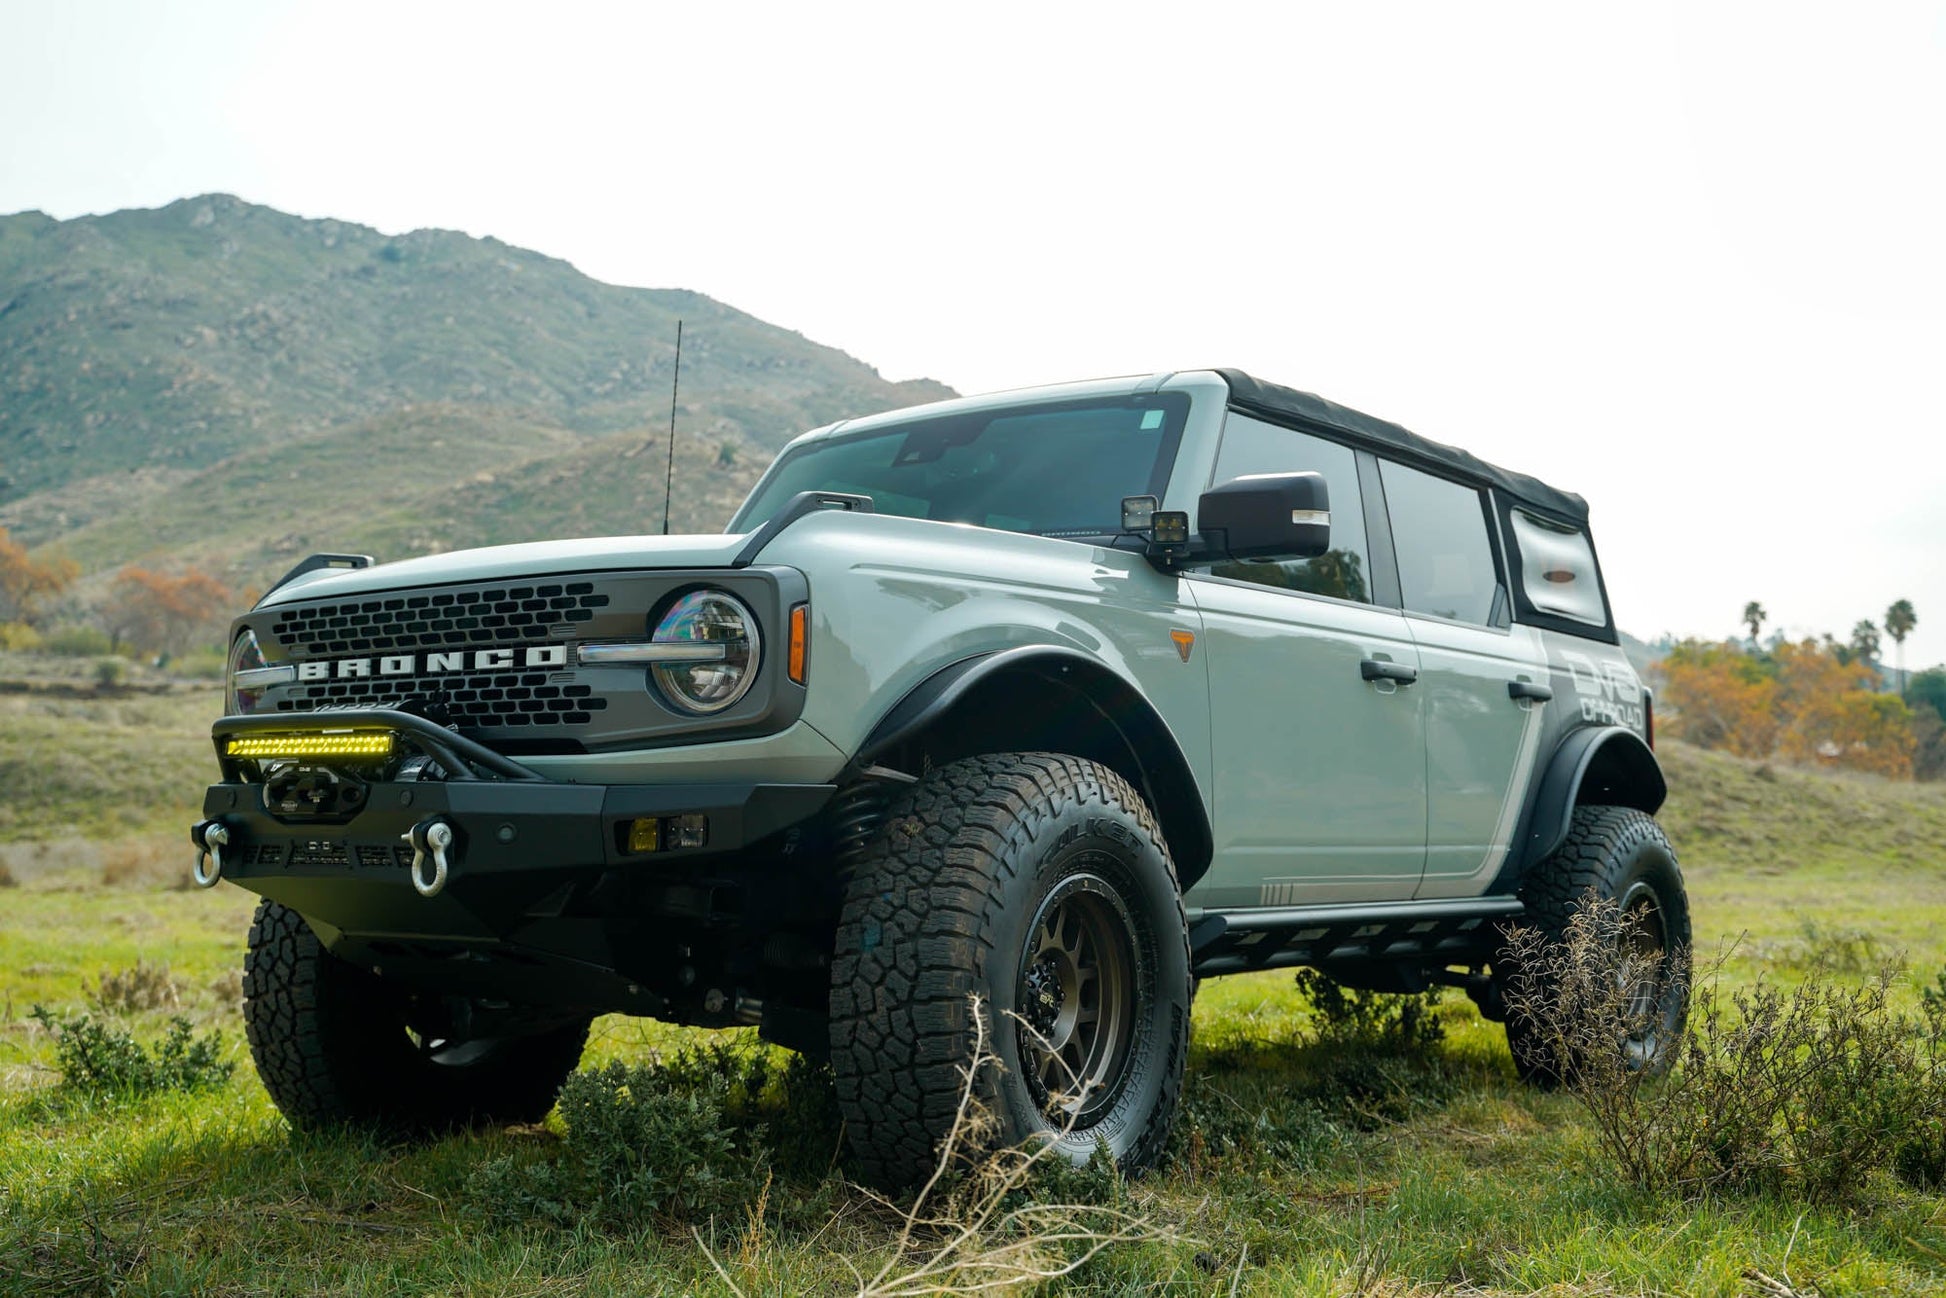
(1287, 405)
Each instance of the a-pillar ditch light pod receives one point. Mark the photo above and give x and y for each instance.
(648, 834)
(312, 745)
(1165, 530)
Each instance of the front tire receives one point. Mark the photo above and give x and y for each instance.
(1617, 855)
(331, 1044)
(1040, 884)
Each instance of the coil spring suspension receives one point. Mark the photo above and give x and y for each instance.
(855, 815)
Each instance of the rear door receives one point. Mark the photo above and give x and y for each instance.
(1320, 774)
(1480, 677)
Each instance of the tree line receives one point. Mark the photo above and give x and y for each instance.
(1816, 701)
(144, 610)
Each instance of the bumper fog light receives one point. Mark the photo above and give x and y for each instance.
(667, 833)
(686, 831)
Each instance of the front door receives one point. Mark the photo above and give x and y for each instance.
(1320, 774)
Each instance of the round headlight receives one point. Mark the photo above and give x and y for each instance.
(723, 646)
(245, 656)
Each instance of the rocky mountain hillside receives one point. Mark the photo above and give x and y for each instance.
(219, 382)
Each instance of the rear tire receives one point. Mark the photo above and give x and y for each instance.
(331, 1044)
(1040, 884)
(1614, 854)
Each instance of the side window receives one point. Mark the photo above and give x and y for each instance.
(1557, 570)
(1252, 446)
(1440, 531)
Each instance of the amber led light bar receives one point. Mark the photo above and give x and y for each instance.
(342, 743)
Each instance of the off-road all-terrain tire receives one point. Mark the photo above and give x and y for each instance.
(332, 1047)
(1022, 879)
(1621, 855)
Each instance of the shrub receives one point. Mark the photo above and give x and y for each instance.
(638, 1151)
(1368, 1020)
(98, 1060)
(1810, 1091)
(1920, 1159)
(200, 664)
(7, 879)
(1825, 947)
(73, 641)
(144, 987)
(802, 1127)
(19, 637)
(227, 988)
(109, 674)
(143, 862)
(1005, 1219)
(740, 1112)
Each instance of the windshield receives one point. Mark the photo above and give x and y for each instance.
(1051, 470)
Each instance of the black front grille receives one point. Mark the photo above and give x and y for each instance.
(502, 615)
(478, 699)
(498, 659)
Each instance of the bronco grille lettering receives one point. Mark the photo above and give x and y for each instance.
(325, 669)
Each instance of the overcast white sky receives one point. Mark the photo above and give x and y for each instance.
(1687, 260)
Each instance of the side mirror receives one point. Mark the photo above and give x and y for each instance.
(1267, 516)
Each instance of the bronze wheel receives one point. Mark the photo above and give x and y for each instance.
(1646, 971)
(1077, 999)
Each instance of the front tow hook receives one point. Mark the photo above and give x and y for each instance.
(210, 838)
(429, 838)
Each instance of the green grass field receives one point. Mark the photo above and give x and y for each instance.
(1296, 1168)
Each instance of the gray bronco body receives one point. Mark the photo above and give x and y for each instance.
(1354, 753)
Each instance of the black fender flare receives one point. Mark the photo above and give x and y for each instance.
(1610, 765)
(1161, 773)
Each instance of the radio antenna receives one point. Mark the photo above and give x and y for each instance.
(675, 386)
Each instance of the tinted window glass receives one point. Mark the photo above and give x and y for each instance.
(1252, 446)
(1440, 531)
(1055, 470)
(1557, 570)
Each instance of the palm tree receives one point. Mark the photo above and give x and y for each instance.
(1865, 643)
(1753, 617)
(1899, 621)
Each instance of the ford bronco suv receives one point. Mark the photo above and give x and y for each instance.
(1038, 706)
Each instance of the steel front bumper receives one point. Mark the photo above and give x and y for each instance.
(515, 846)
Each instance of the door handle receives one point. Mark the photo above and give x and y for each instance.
(1377, 669)
(1529, 690)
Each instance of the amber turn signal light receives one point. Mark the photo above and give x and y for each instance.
(799, 617)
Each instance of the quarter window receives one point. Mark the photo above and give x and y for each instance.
(1440, 531)
(1557, 570)
(1344, 571)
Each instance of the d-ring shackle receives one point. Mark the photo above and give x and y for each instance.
(210, 838)
(429, 838)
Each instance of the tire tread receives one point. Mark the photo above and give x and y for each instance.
(917, 935)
